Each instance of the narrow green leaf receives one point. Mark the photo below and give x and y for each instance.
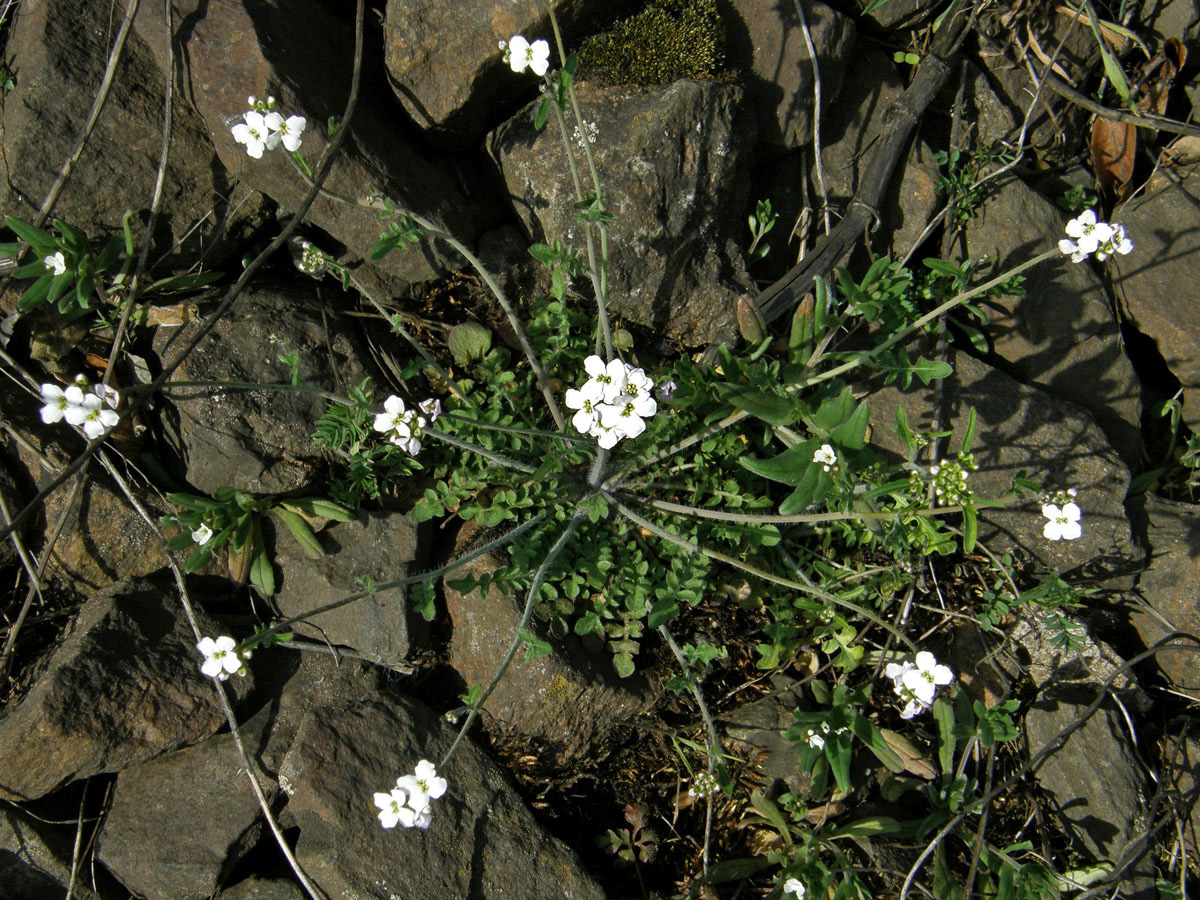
(769, 408)
(943, 714)
(300, 531)
(789, 467)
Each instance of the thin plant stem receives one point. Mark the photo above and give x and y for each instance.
(530, 604)
(814, 518)
(498, 458)
(695, 548)
(816, 117)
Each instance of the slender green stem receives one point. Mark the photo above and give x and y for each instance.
(398, 327)
(255, 386)
(526, 616)
(693, 547)
(511, 429)
(702, 513)
(498, 458)
(491, 545)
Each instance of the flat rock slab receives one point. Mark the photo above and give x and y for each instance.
(35, 864)
(1158, 277)
(482, 842)
(381, 545)
(122, 688)
(1061, 334)
(1055, 442)
(1169, 587)
(257, 440)
(58, 50)
(178, 824)
(674, 166)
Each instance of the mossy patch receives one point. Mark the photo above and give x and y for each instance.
(668, 40)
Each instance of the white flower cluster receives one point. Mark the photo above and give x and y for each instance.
(705, 784)
(403, 426)
(1090, 236)
(613, 401)
(408, 802)
(311, 260)
(794, 887)
(816, 739)
(521, 55)
(265, 129)
(827, 457)
(917, 683)
(221, 659)
(1063, 515)
(95, 409)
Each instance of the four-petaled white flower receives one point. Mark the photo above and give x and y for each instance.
(56, 263)
(255, 134)
(423, 785)
(108, 394)
(58, 402)
(202, 535)
(1063, 521)
(794, 887)
(95, 417)
(613, 403)
(1086, 235)
(393, 809)
(403, 426)
(826, 456)
(521, 55)
(287, 130)
(917, 683)
(221, 658)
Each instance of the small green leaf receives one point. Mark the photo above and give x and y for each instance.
(300, 531)
(789, 467)
(772, 409)
(534, 646)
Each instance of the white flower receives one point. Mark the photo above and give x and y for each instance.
(585, 420)
(815, 740)
(613, 402)
(622, 417)
(108, 394)
(431, 407)
(393, 417)
(1090, 236)
(826, 456)
(422, 786)
(1117, 243)
(255, 134)
(1063, 522)
(522, 54)
(286, 130)
(667, 390)
(926, 677)
(607, 380)
(59, 402)
(95, 418)
(56, 263)
(794, 887)
(220, 658)
(202, 535)
(393, 809)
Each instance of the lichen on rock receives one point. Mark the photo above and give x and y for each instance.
(666, 41)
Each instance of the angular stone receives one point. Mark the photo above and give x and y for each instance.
(1094, 777)
(852, 126)
(446, 65)
(1060, 334)
(58, 50)
(231, 49)
(673, 161)
(1169, 587)
(567, 700)
(1153, 278)
(379, 545)
(122, 688)
(757, 728)
(256, 888)
(258, 440)
(35, 862)
(178, 824)
(1018, 427)
(481, 834)
(765, 42)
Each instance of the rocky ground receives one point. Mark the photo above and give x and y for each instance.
(118, 773)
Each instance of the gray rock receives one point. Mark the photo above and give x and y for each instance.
(35, 862)
(256, 888)
(1165, 258)
(1055, 442)
(567, 701)
(177, 825)
(231, 49)
(258, 440)
(673, 163)
(766, 43)
(380, 545)
(58, 50)
(757, 728)
(1168, 588)
(1093, 778)
(852, 126)
(1061, 334)
(481, 840)
(446, 65)
(122, 688)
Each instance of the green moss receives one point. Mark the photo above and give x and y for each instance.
(667, 40)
